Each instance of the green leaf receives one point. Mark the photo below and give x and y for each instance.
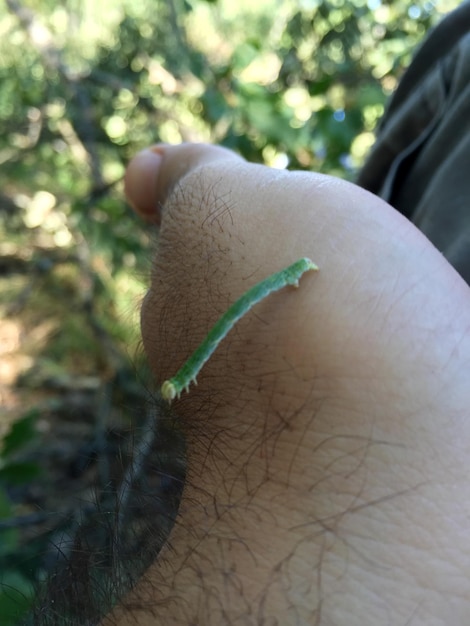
(5, 506)
(21, 433)
(19, 473)
(8, 536)
(16, 595)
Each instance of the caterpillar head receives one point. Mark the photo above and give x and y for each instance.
(168, 391)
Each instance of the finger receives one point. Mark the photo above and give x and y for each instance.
(153, 173)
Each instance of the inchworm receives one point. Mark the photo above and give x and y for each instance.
(187, 373)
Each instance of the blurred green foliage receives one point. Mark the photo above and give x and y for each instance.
(16, 582)
(85, 84)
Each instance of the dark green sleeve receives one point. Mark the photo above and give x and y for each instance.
(420, 163)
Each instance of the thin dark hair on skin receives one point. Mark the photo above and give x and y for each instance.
(102, 555)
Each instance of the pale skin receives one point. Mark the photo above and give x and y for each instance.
(329, 435)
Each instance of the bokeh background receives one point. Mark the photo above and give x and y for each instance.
(85, 84)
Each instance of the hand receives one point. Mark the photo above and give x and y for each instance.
(329, 435)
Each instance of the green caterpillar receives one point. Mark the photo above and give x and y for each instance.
(173, 387)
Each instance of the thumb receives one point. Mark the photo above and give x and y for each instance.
(153, 173)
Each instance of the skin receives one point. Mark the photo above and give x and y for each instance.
(329, 435)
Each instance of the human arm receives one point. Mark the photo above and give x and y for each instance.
(328, 437)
